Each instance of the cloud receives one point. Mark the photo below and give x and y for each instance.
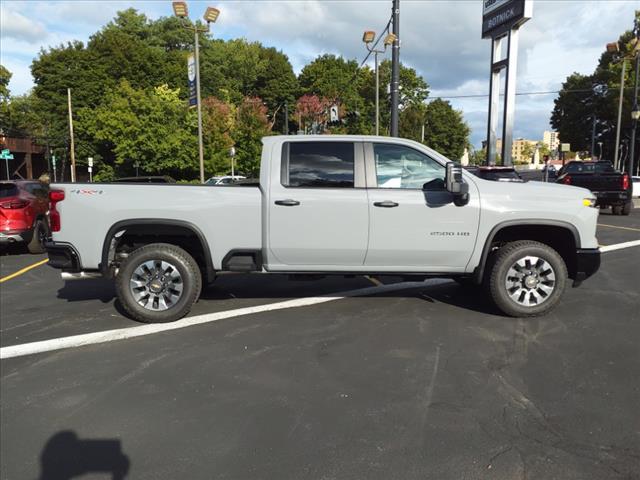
(16, 26)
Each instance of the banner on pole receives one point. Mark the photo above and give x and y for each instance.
(191, 74)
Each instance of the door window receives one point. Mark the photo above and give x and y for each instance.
(319, 165)
(398, 166)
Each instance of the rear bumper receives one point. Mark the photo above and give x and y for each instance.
(11, 237)
(587, 263)
(608, 198)
(63, 256)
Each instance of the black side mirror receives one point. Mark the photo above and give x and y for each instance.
(456, 185)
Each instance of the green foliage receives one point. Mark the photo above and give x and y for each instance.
(445, 129)
(251, 126)
(146, 126)
(5, 78)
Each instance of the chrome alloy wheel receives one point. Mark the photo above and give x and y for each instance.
(530, 281)
(156, 285)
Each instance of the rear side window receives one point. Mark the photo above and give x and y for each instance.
(319, 165)
(8, 190)
(580, 168)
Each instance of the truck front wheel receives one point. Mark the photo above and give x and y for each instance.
(158, 283)
(527, 278)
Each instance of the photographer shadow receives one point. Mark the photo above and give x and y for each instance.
(65, 456)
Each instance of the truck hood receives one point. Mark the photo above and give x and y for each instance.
(533, 190)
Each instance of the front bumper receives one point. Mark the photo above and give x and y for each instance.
(587, 263)
(63, 256)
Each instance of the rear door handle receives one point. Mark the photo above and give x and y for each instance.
(287, 203)
(385, 204)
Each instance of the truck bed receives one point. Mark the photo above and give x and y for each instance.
(228, 217)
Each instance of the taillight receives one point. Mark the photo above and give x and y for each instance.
(55, 196)
(567, 180)
(14, 204)
(625, 182)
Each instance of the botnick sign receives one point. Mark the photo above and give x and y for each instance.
(499, 16)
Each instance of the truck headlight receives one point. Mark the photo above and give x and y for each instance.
(589, 202)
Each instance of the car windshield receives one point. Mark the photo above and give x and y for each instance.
(8, 190)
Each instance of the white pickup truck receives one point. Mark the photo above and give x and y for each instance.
(324, 205)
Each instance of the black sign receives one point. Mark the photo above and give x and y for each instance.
(500, 16)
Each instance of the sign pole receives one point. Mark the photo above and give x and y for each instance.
(509, 97)
(494, 100)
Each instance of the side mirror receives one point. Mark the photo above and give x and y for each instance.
(456, 185)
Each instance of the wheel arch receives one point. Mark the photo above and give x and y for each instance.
(160, 229)
(562, 236)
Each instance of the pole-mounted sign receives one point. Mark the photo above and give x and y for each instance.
(6, 156)
(501, 19)
(191, 74)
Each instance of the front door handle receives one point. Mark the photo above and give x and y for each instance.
(287, 203)
(385, 204)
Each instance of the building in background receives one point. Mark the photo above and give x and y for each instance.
(551, 140)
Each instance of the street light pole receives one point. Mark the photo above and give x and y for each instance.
(368, 37)
(210, 16)
(200, 142)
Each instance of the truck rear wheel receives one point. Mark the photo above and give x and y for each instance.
(527, 278)
(158, 283)
(616, 209)
(626, 209)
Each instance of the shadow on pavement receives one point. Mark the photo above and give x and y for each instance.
(65, 456)
(88, 289)
(264, 287)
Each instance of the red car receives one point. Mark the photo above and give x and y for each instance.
(23, 214)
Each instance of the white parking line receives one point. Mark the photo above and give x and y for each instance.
(620, 246)
(124, 333)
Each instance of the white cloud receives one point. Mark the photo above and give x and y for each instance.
(17, 26)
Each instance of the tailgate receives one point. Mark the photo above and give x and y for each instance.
(598, 183)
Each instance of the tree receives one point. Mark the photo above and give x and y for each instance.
(5, 78)
(251, 126)
(445, 128)
(218, 123)
(151, 127)
(312, 110)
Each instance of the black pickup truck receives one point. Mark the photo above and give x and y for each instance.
(611, 188)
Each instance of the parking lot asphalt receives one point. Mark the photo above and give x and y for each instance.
(429, 382)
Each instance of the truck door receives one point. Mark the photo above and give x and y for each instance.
(414, 224)
(318, 208)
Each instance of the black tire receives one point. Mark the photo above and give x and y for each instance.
(40, 232)
(187, 268)
(616, 209)
(626, 209)
(505, 258)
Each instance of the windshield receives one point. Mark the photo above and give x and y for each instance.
(8, 190)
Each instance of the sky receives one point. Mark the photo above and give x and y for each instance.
(440, 39)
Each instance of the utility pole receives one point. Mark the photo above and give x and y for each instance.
(395, 69)
(71, 142)
(200, 141)
(635, 111)
(615, 155)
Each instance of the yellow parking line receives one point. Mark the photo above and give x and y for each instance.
(24, 270)
(621, 228)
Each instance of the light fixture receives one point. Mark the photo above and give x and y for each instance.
(390, 39)
(613, 47)
(635, 114)
(368, 36)
(180, 9)
(211, 14)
